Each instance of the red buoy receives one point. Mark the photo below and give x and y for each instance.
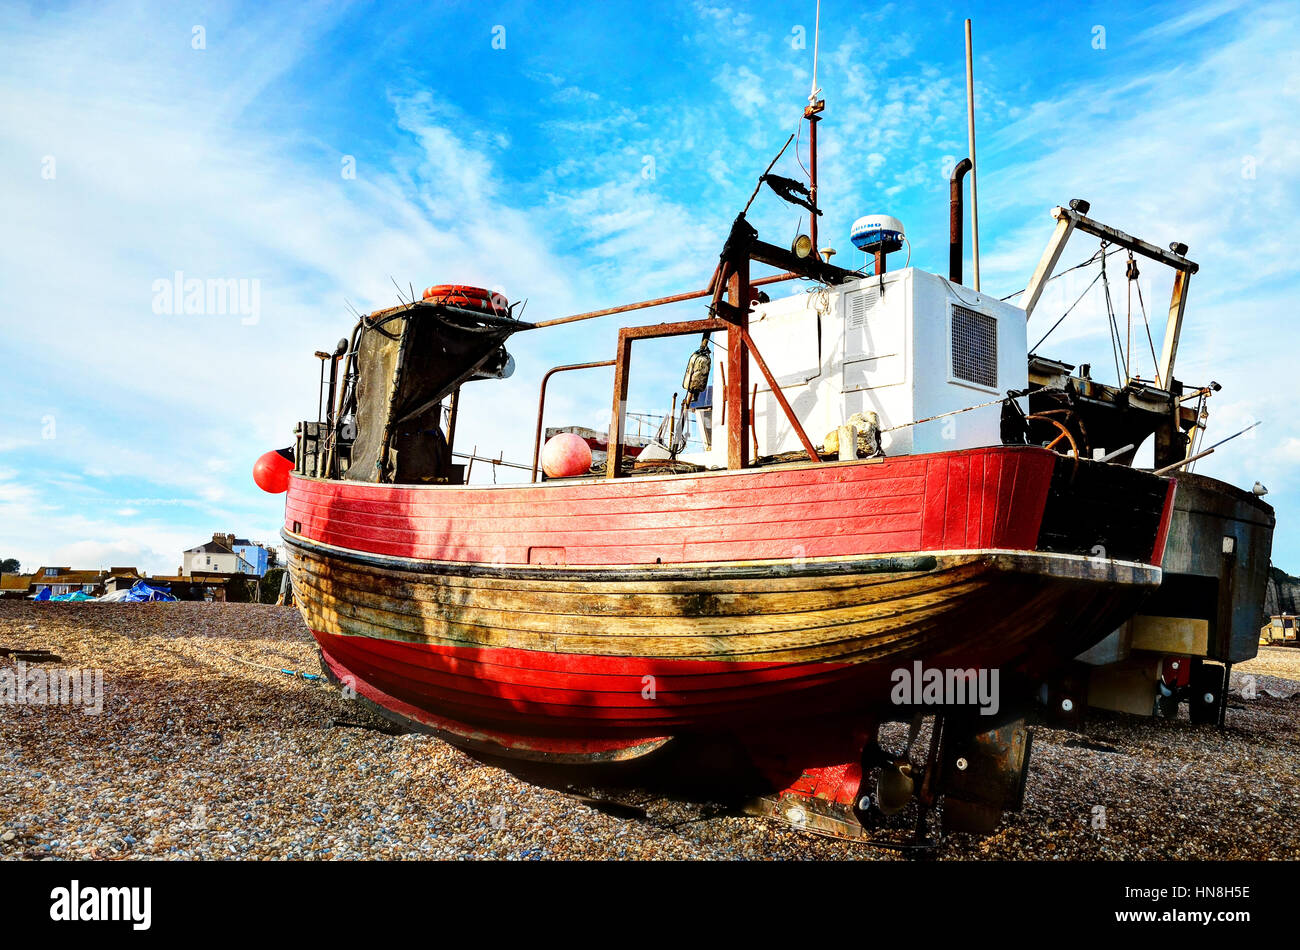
(566, 454)
(271, 471)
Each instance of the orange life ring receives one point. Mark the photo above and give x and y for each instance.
(460, 295)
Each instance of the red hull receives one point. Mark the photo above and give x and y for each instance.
(532, 619)
(978, 499)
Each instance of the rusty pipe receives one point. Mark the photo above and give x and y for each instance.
(334, 375)
(956, 219)
(541, 403)
(320, 389)
(656, 302)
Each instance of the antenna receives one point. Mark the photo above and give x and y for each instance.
(812, 113)
(817, 32)
(970, 134)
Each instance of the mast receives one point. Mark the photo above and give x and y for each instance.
(812, 112)
(970, 135)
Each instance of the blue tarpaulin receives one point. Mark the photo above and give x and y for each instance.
(140, 591)
(76, 596)
(42, 594)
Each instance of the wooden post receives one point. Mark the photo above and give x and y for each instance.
(738, 367)
(1173, 328)
(1047, 263)
(614, 450)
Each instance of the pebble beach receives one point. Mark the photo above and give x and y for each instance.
(205, 749)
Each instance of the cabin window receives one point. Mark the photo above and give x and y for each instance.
(974, 347)
(51, 572)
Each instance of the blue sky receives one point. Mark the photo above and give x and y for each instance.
(594, 154)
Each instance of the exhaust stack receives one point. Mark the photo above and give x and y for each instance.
(956, 219)
(970, 134)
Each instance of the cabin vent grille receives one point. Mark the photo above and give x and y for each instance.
(974, 347)
(859, 304)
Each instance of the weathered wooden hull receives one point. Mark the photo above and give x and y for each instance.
(594, 619)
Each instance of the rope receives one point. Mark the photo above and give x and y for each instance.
(1116, 349)
(262, 666)
(1131, 274)
(953, 412)
(764, 175)
(1091, 260)
(798, 132)
(1035, 347)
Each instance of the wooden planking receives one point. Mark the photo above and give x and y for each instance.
(536, 655)
(492, 620)
(804, 638)
(370, 602)
(958, 500)
(506, 684)
(637, 596)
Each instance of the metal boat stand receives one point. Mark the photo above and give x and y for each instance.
(968, 779)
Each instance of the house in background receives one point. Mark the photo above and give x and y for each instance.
(255, 554)
(196, 585)
(64, 580)
(226, 554)
(217, 556)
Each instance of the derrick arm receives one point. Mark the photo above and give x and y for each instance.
(1075, 218)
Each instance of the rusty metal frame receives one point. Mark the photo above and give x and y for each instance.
(737, 394)
(541, 402)
(658, 301)
(813, 456)
(622, 365)
(732, 274)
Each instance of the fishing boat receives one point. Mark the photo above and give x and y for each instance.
(885, 491)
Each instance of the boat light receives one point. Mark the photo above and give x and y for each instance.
(802, 246)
